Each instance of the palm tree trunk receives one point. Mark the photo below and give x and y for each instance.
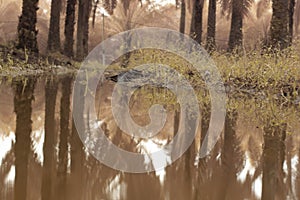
(27, 33)
(236, 29)
(279, 25)
(182, 17)
(69, 28)
(54, 30)
(84, 9)
(292, 4)
(23, 109)
(196, 22)
(297, 17)
(86, 27)
(211, 26)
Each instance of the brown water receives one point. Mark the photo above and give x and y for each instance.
(42, 157)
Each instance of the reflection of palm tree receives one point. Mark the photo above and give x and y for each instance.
(49, 143)
(298, 177)
(289, 147)
(63, 137)
(4, 171)
(77, 152)
(23, 109)
(150, 184)
(231, 158)
(273, 158)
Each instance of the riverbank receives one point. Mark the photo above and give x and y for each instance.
(16, 63)
(251, 74)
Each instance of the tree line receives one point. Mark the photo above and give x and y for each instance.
(79, 12)
(281, 25)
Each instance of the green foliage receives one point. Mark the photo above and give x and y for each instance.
(265, 86)
(261, 73)
(17, 62)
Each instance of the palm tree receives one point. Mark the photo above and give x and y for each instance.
(236, 28)
(292, 4)
(279, 30)
(27, 33)
(127, 16)
(238, 10)
(84, 9)
(69, 28)
(297, 16)
(211, 26)
(182, 17)
(126, 4)
(196, 22)
(54, 29)
(287, 22)
(110, 5)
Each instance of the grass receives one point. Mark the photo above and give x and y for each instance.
(252, 73)
(271, 73)
(15, 62)
(266, 86)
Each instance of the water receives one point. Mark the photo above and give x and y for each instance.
(42, 157)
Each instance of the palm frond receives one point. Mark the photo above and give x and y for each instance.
(226, 7)
(126, 4)
(244, 6)
(94, 12)
(261, 7)
(110, 5)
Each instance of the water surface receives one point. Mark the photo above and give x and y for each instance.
(42, 157)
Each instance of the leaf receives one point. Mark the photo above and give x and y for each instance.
(262, 7)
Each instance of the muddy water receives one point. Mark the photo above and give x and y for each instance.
(42, 157)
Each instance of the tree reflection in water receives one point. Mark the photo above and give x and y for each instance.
(22, 106)
(68, 172)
